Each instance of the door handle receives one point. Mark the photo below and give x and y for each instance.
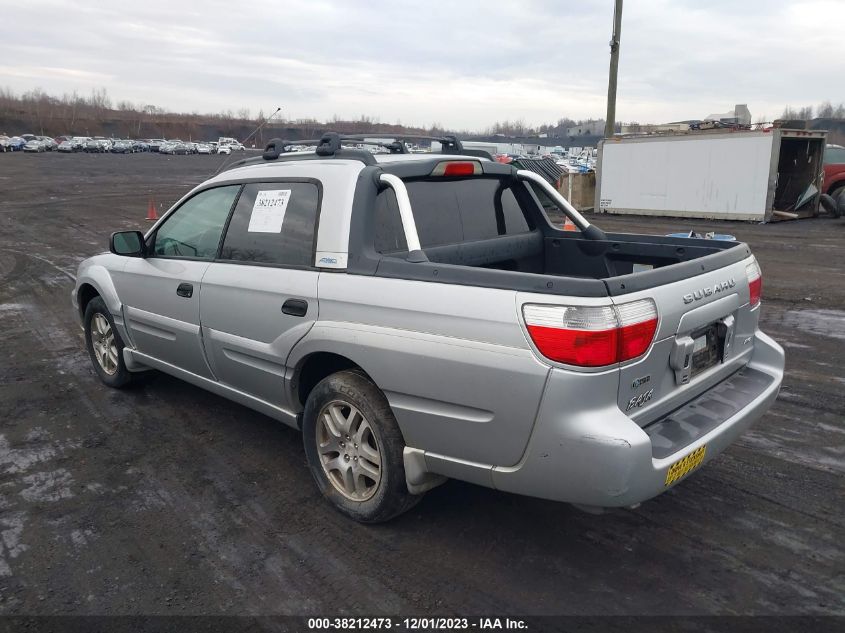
(295, 307)
(185, 290)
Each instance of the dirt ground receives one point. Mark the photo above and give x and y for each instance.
(169, 500)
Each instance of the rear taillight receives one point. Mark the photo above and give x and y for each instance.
(755, 282)
(637, 326)
(592, 336)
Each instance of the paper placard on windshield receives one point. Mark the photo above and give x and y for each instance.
(268, 212)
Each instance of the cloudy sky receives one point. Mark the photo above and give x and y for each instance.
(462, 63)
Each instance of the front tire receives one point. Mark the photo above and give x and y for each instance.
(355, 449)
(104, 345)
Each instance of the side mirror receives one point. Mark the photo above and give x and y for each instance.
(128, 244)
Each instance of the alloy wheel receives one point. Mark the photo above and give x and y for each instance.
(104, 344)
(349, 451)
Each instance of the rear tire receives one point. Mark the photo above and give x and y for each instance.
(840, 204)
(104, 345)
(828, 204)
(355, 449)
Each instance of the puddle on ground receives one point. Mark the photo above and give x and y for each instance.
(822, 322)
(47, 486)
(13, 307)
(11, 529)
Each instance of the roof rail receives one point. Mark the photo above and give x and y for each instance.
(448, 141)
(330, 145)
(331, 142)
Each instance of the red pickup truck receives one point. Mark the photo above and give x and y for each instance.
(834, 171)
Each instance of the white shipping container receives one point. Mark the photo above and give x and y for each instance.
(733, 176)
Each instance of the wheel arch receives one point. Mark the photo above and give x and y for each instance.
(840, 182)
(94, 281)
(314, 367)
(84, 296)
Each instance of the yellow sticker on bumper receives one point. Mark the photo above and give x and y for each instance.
(685, 465)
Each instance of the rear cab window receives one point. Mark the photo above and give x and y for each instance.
(274, 223)
(451, 212)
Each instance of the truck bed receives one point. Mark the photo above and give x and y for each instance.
(520, 249)
(566, 263)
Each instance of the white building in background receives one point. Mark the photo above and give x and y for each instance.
(740, 114)
(594, 128)
(653, 128)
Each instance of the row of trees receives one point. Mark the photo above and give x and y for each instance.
(520, 128)
(45, 112)
(824, 110)
(40, 108)
(88, 113)
(94, 113)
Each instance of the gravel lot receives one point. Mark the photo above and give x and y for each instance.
(166, 499)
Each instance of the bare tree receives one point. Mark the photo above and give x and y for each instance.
(805, 113)
(825, 110)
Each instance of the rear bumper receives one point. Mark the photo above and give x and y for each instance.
(600, 457)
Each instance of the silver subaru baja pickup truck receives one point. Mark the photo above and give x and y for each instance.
(419, 317)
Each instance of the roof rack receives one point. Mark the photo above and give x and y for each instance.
(331, 142)
(330, 145)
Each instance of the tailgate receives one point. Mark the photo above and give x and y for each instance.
(705, 333)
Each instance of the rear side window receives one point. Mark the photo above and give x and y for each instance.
(273, 223)
(450, 212)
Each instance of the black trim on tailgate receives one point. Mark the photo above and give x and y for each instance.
(701, 415)
(731, 254)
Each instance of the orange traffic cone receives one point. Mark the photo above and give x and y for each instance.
(569, 225)
(151, 211)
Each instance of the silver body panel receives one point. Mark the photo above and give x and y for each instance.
(161, 323)
(247, 349)
(593, 454)
(472, 395)
(452, 360)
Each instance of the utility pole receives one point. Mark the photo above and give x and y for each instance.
(610, 119)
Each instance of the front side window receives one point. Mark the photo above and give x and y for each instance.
(194, 229)
(273, 223)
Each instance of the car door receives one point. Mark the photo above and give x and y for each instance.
(161, 292)
(260, 297)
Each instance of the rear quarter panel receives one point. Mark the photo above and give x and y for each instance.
(452, 361)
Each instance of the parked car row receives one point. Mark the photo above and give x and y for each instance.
(27, 143)
(101, 145)
(183, 147)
